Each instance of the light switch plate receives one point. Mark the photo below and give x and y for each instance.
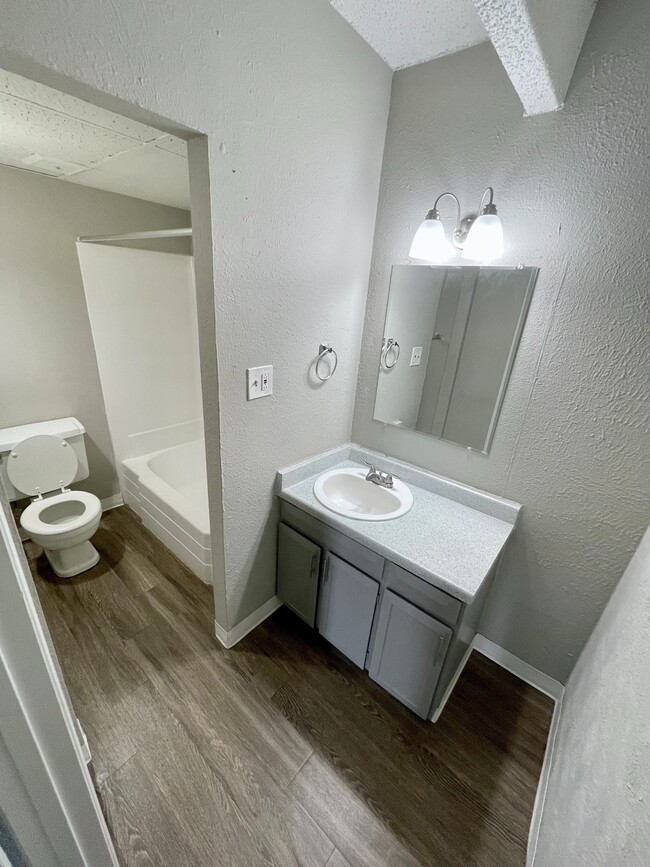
(259, 382)
(416, 356)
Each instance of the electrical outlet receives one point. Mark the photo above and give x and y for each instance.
(259, 382)
(416, 356)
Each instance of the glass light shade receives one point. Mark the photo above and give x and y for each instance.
(430, 243)
(484, 239)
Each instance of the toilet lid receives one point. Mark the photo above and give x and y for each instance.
(41, 464)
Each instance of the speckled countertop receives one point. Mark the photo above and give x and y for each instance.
(451, 537)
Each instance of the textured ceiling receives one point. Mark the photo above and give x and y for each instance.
(406, 32)
(45, 131)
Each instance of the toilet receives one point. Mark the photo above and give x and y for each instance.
(40, 460)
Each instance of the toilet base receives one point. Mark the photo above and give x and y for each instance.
(67, 562)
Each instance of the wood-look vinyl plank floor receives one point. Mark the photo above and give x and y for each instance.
(278, 752)
(337, 860)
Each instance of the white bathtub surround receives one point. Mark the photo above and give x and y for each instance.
(145, 442)
(451, 537)
(168, 490)
(142, 309)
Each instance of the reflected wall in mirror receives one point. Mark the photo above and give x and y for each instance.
(450, 340)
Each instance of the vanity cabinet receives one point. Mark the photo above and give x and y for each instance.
(299, 562)
(408, 652)
(346, 609)
(377, 614)
(410, 635)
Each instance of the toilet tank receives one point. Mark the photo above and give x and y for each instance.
(69, 429)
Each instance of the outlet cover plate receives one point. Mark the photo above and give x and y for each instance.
(416, 356)
(259, 382)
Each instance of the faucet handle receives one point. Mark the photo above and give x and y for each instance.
(372, 467)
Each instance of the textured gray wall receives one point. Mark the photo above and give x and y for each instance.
(49, 368)
(596, 809)
(295, 106)
(572, 188)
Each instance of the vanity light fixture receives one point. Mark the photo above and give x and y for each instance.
(484, 240)
(480, 238)
(430, 243)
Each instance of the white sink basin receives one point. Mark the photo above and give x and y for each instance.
(346, 492)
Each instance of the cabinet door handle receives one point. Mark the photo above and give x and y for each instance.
(441, 647)
(326, 570)
(314, 564)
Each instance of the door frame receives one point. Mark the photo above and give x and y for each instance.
(37, 724)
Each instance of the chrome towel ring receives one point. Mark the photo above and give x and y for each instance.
(323, 350)
(390, 346)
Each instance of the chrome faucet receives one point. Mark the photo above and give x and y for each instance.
(378, 477)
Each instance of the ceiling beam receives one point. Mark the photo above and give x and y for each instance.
(538, 42)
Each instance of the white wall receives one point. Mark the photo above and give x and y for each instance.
(142, 309)
(596, 808)
(48, 367)
(572, 191)
(295, 105)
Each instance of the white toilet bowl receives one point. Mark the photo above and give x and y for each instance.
(63, 525)
(62, 522)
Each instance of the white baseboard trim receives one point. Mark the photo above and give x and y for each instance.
(515, 665)
(555, 690)
(511, 663)
(542, 786)
(112, 502)
(230, 638)
(83, 742)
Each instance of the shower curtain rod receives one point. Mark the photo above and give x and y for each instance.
(138, 236)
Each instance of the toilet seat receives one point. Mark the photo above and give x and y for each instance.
(41, 464)
(34, 521)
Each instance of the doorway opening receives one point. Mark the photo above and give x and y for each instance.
(109, 351)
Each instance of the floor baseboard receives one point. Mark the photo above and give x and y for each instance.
(515, 665)
(113, 502)
(555, 690)
(231, 637)
(542, 786)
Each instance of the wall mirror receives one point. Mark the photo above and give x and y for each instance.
(450, 340)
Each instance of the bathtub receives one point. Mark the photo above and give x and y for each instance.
(168, 490)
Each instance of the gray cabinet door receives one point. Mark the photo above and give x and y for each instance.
(298, 568)
(346, 608)
(408, 652)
